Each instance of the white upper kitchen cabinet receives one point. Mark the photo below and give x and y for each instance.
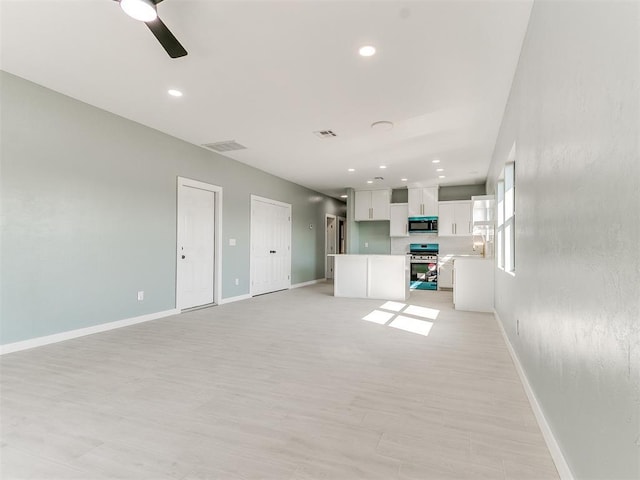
(454, 219)
(423, 202)
(372, 204)
(399, 222)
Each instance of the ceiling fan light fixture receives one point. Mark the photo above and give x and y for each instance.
(143, 10)
(367, 51)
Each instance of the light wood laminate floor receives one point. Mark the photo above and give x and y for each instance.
(291, 385)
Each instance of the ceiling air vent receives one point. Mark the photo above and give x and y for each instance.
(325, 133)
(228, 146)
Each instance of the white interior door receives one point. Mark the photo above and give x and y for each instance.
(270, 245)
(196, 239)
(330, 245)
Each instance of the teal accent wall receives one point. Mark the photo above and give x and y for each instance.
(88, 214)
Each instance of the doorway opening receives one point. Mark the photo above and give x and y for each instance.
(334, 241)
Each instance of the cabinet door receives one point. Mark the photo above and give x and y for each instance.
(445, 275)
(380, 203)
(362, 208)
(415, 202)
(462, 215)
(446, 220)
(430, 201)
(398, 225)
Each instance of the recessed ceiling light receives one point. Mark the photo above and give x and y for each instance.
(369, 181)
(352, 170)
(383, 166)
(403, 179)
(343, 196)
(439, 169)
(440, 176)
(174, 93)
(435, 161)
(367, 51)
(383, 126)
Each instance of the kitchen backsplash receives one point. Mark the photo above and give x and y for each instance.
(447, 245)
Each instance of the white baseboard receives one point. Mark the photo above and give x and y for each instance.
(234, 299)
(556, 453)
(311, 282)
(81, 332)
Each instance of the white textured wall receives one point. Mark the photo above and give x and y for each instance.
(573, 114)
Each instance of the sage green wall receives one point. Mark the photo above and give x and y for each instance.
(376, 235)
(89, 214)
(459, 192)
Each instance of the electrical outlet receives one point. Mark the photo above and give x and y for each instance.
(237, 281)
(366, 244)
(141, 295)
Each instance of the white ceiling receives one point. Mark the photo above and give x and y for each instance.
(267, 74)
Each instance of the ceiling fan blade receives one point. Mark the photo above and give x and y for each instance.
(166, 38)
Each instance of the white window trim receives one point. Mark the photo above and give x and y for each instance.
(506, 221)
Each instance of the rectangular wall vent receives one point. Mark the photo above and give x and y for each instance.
(227, 146)
(325, 133)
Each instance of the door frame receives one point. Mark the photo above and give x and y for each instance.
(217, 234)
(327, 217)
(344, 224)
(251, 259)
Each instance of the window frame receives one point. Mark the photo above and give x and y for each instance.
(505, 194)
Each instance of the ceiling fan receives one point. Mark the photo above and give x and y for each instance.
(145, 11)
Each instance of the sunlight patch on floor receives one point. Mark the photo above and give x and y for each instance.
(393, 306)
(392, 318)
(421, 327)
(424, 312)
(378, 316)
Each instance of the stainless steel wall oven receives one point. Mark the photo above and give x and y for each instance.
(424, 266)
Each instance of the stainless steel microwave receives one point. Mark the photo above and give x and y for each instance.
(423, 224)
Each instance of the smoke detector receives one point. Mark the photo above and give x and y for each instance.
(383, 126)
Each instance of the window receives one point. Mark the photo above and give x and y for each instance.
(506, 217)
(509, 218)
(500, 224)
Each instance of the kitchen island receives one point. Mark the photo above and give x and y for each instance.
(473, 284)
(384, 277)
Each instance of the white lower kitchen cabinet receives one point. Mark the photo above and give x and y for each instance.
(445, 273)
(473, 284)
(384, 277)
